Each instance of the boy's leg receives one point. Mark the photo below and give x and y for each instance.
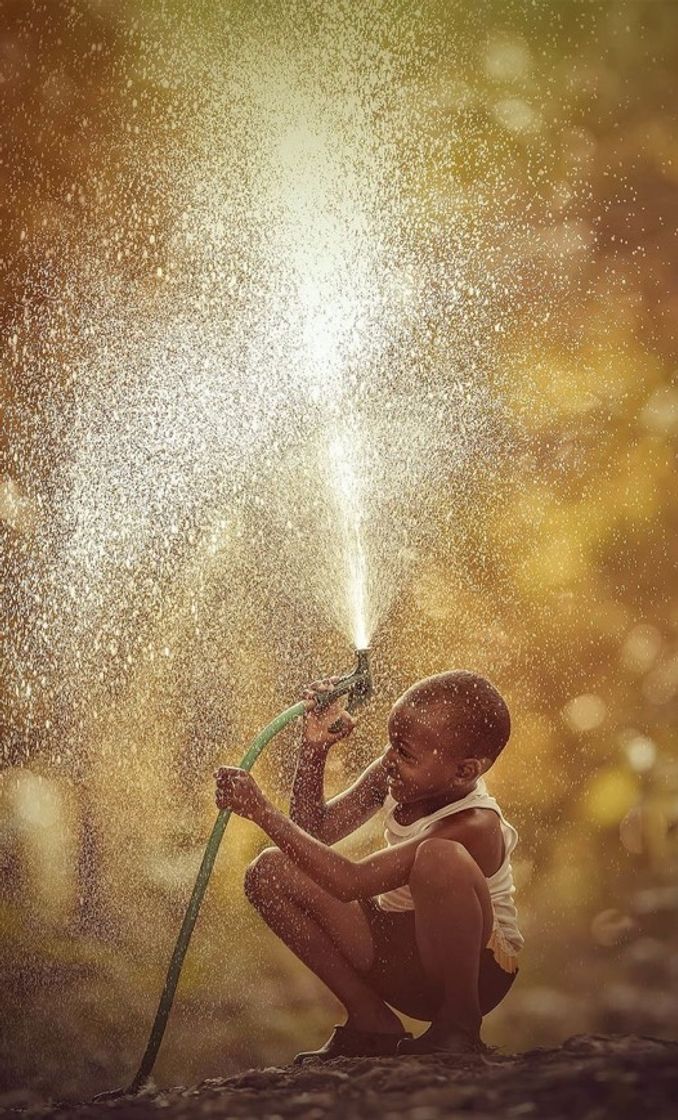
(331, 937)
(453, 923)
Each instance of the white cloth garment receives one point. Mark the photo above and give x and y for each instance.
(500, 885)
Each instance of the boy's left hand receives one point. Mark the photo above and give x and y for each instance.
(238, 791)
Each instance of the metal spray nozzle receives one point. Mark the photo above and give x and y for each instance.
(357, 684)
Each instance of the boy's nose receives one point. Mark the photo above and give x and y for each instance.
(389, 762)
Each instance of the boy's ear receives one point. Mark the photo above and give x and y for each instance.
(470, 769)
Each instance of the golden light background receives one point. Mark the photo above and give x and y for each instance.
(488, 297)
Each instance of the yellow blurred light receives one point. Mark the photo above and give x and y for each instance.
(660, 412)
(557, 539)
(507, 59)
(644, 478)
(39, 818)
(641, 752)
(585, 713)
(16, 509)
(554, 563)
(609, 796)
(517, 115)
(661, 684)
(550, 386)
(641, 647)
(544, 779)
(546, 388)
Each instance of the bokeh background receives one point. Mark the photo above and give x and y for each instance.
(535, 154)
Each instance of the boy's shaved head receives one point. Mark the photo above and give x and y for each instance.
(461, 709)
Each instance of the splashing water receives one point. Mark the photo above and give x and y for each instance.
(335, 277)
(295, 372)
(349, 506)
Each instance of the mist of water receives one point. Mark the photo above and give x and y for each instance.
(278, 402)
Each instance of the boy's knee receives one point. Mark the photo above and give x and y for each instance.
(264, 871)
(436, 861)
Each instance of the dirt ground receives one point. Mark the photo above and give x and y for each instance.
(589, 1077)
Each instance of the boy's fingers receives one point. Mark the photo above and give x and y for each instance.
(339, 705)
(224, 780)
(316, 687)
(342, 725)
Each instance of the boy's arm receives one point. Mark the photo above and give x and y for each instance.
(348, 810)
(332, 821)
(478, 830)
(385, 870)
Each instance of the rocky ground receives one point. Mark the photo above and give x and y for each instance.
(589, 1077)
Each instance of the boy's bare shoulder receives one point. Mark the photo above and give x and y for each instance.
(479, 830)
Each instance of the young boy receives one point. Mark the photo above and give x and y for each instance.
(427, 925)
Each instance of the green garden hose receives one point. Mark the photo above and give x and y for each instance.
(358, 686)
(173, 972)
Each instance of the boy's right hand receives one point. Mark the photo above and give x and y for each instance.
(317, 724)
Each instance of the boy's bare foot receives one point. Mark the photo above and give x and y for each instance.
(440, 1039)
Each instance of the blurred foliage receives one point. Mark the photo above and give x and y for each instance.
(561, 589)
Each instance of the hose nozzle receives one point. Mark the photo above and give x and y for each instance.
(357, 684)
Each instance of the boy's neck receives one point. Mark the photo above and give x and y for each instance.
(415, 810)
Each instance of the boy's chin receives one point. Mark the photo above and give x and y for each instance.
(402, 795)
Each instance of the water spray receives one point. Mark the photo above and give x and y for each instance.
(357, 686)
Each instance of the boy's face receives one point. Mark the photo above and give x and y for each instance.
(423, 759)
